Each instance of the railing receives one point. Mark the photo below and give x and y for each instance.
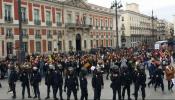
(37, 36)
(9, 36)
(25, 36)
(24, 21)
(59, 23)
(48, 23)
(49, 36)
(37, 22)
(8, 19)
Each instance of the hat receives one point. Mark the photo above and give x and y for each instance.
(51, 66)
(115, 67)
(35, 68)
(70, 68)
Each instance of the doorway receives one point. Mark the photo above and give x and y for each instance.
(78, 42)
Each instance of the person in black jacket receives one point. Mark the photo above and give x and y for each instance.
(24, 78)
(12, 79)
(116, 82)
(48, 78)
(57, 83)
(126, 78)
(71, 83)
(35, 80)
(159, 75)
(97, 83)
(140, 81)
(83, 84)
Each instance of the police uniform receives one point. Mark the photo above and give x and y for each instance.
(71, 83)
(57, 83)
(12, 80)
(83, 85)
(116, 82)
(126, 78)
(48, 78)
(97, 84)
(140, 82)
(24, 78)
(35, 80)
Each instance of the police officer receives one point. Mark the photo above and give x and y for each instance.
(126, 81)
(13, 77)
(48, 79)
(159, 74)
(83, 84)
(116, 82)
(35, 80)
(57, 83)
(24, 78)
(97, 83)
(71, 83)
(140, 81)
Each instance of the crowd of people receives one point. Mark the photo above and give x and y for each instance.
(68, 72)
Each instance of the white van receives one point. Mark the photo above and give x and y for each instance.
(161, 44)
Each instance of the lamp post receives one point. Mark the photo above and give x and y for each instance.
(117, 5)
(152, 22)
(21, 52)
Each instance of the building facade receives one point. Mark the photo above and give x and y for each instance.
(52, 26)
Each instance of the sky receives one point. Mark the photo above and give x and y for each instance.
(163, 9)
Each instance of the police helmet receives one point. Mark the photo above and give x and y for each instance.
(51, 66)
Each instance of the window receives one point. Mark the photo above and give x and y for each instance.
(9, 32)
(24, 32)
(49, 45)
(23, 13)
(106, 43)
(8, 12)
(102, 43)
(111, 43)
(69, 18)
(38, 47)
(123, 18)
(48, 16)
(84, 20)
(9, 48)
(77, 19)
(70, 45)
(101, 22)
(85, 44)
(96, 21)
(91, 43)
(96, 43)
(106, 21)
(58, 17)
(25, 46)
(90, 21)
(36, 14)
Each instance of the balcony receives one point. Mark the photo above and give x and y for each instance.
(101, 27)
(8, 19)
(77, 25)
(48, 23)
(111, 28)
(37, 22)
(9, 37)
(37, 36)
(49, 36)
(25, 36)
(24, 20)
(59, 23)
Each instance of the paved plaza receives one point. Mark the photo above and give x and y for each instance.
(106, 92)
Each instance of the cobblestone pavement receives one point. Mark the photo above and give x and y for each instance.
(106, 92)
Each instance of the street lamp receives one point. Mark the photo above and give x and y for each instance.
(152, 22)
(21, 53)
(117, 5)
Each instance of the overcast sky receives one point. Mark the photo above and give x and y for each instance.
(164, 9)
